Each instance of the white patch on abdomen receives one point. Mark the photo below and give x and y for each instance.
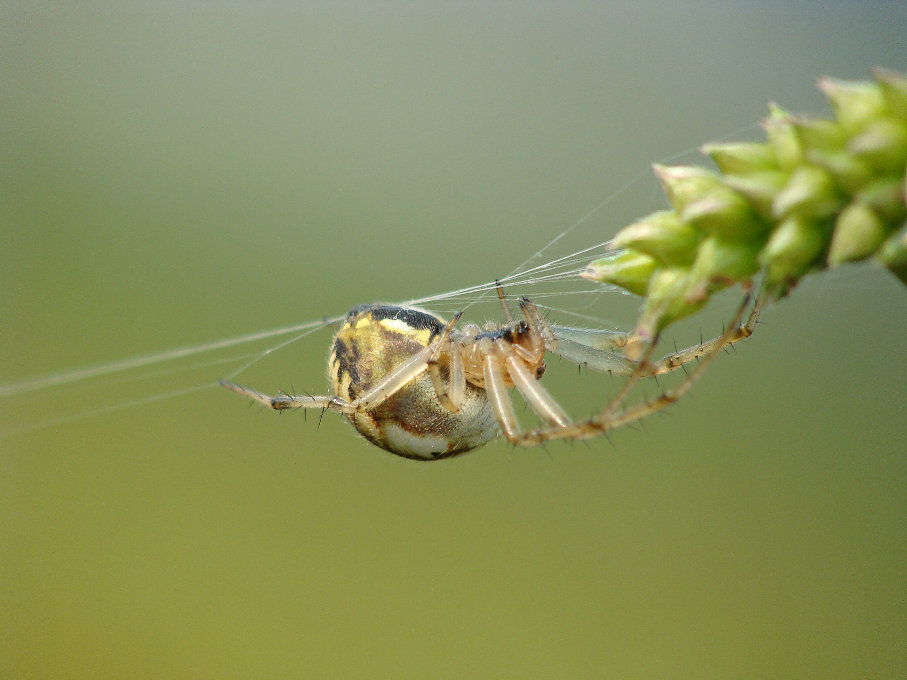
(423, 446)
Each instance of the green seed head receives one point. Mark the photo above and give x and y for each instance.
(723, 212)
(882, 144)
(741, 157)
(817, 193)
(782, 138)
(810, 192)
(720, 263)
(666, 302)
(819, 133)
(759, 188)
(662, 235)
(855, 103)
(894, 90)
(893, 253)
(858, 234)
(629, 269)
(847, 171)
(684, 184)
(791, 250)
(886, 196)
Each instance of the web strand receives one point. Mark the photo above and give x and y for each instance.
(539, 278)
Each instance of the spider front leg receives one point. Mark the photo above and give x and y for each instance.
(614, 416)
(734, 332)
(450, 396)
(380, 392)
(681, 357)
(391, 383)
(385, 388)
(283, 402)
(498, 358)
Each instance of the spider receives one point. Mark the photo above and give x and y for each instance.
(424, 389)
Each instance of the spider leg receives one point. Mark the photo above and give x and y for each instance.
(592, 357)
(380, 392)
(450, 397)
(283, 402)
(641, 410)
(594, 348)
(500, 290)
(583, 347)
(498, 358)
(639, 371)
(535, 320)
(497, 394)
(538, 398)
(596, 338)
(684, 356)
(393, 381)
(613, 416)
(457, 388)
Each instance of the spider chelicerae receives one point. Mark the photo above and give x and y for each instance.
(425, 389)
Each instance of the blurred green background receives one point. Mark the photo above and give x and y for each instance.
(175, 173)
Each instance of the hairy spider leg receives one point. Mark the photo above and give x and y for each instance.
(612, 416)
(390, 383)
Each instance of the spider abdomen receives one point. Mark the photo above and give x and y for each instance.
(412, 422)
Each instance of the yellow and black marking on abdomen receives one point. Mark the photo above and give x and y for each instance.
(412, 423)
